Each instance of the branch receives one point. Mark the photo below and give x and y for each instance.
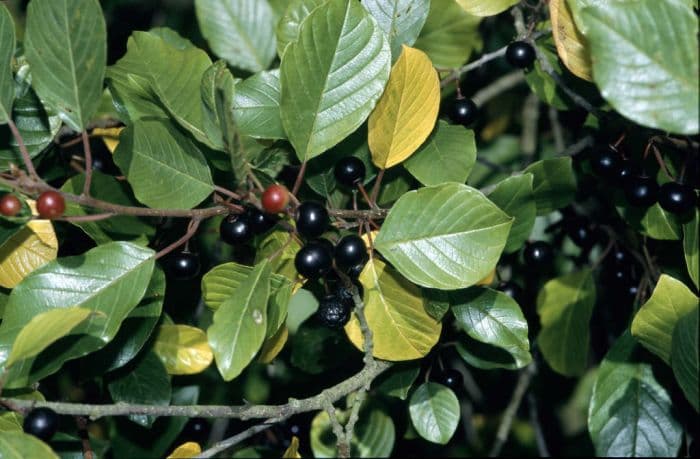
(501, 85)
(88, 163)
(236, 439)
(23, 150)
(512, 408)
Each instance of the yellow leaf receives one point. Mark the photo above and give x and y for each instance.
(406, 113)
(184, 350)
(292, 452)
(571, 44)
(186, 451)
(110, 136)
(273, 345)
(488, 280)
(30, 248)
(395, 311)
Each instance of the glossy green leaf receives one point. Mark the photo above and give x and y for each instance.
(655, 321)
(437, 303)
(691, 241)
(493, 318)
(256, 106)
(109, 280)
(434, 411)
(515, 197)
(486, 7)
(11, 422)
(447, 156)
(374, 435)
(332, 77)
(398, 380)
(449, 35)
(554, 183)
(145, 382)
(217, 90)
(630, 413)
(240, 31)
(446, 237)
(240, 323)
(400, 20)
(278, 243)
(653, 221)
(66, 46)
(19, 445)
(565, 305)
(288, 26)
(684, 356)
(164, 167)
(658, 37)
(7, 51)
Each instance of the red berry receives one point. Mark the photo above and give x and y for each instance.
(50, 205)
(275, 199)
(10, 205)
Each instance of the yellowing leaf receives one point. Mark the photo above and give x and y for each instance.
(110, 136)
(186, 451)
(292, 452)
(395, 311)
(488, 280)
(274, 345)
(405, 115)
(30, 248)
(184, 350)
(571, 44)
(486, 7)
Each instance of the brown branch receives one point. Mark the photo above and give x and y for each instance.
(88, 163)
(236, 439)
(23, 150)
(509, 414)
(191, 230)
(376, 187)
(501, 85)
(300, 179)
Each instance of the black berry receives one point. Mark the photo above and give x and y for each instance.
(450, 378)
(538, 254)
(520, 54)
(511, 289)
(621, 257)
(42, 423)
(102, 159)
(641, 191)
(332, 312)
(313, 260)
(350, 251)
(345, 295)
(312, 219)
(464, 112)
(350, 171)
(260, 222)
(197, 430)
(606, 162)
(676, 198)
(580, 232)
(627, 169)
(355, 271)
(184, 266)
(236, 229)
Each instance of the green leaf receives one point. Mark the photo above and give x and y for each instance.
(278, 243)
(554, 183)
(19, 445)
(447, 156)
(445, 237)
(317, 349)
(239, 325)
(43, 330)
(486, 7)
(145, 382)
(256, 106)
(164, 167)
(493, 318)
(684, 356)
(653, 221)
(240, 31)
(109, 280)
(217, 89)
(690, 247)
(655, 321)
(630, 413)
(66, 46)
(658, 37)
(437, 303)
(449, 35)
(400, 20)
(289, 23)
(515, 197)
(565, 305)
(434, 411)
(374, 435)
(398, 380)
(332, 76)
(222, 280)
(7, 51)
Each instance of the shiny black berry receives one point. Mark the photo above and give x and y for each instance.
(450, 378)
(236, 229)
(332, 312)
(313, 260)
(355, 271)
(184, 266)
(350, 171)
(42, 423)
(538, 254)
(102, 159)
(627, 169)
(580, 232)
(511, 289)
(312, 219)
(464, 112)
(606, 162)
(641, 191)
(676, 198)
(350, 251)
(197, 430)
(260, 222)
(520, 54)
(621, 257)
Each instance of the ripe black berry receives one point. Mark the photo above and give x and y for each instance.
(345, 295)
(313, 260)
(621, 257)
(464, 112)
(197, 430)
(450, 378)
(350, 251)
(355, 271)
(520, 54)
(676, 198)
(102, 159)
(641, 191)
(580, 232)
(606, 162)
(260, 222)
(350, 171)
(511, 289)
(236, 229)
(332, 312)
(42, 423)
(538, 254)
(184, 266)
(312, 219)
(627, 169)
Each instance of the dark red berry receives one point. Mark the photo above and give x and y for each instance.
(275, 199)
(236, 229)
(641, 191)
(464, 112)
(312, 219)
(313, 260)
(50, 204)
(350, 171)
(520, 54)
(10, 205)
(41, 422)
(676, 198)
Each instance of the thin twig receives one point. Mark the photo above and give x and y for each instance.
(300, 179)
(236, 439)
(342, 445)
(537, 425)
(226, 192)
(191, 230)
(88, 163)
(23, 150)
(557, 130)
(376, 187)
(501, 85)
(86, 218)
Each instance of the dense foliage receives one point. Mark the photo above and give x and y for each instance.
(348, 228)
